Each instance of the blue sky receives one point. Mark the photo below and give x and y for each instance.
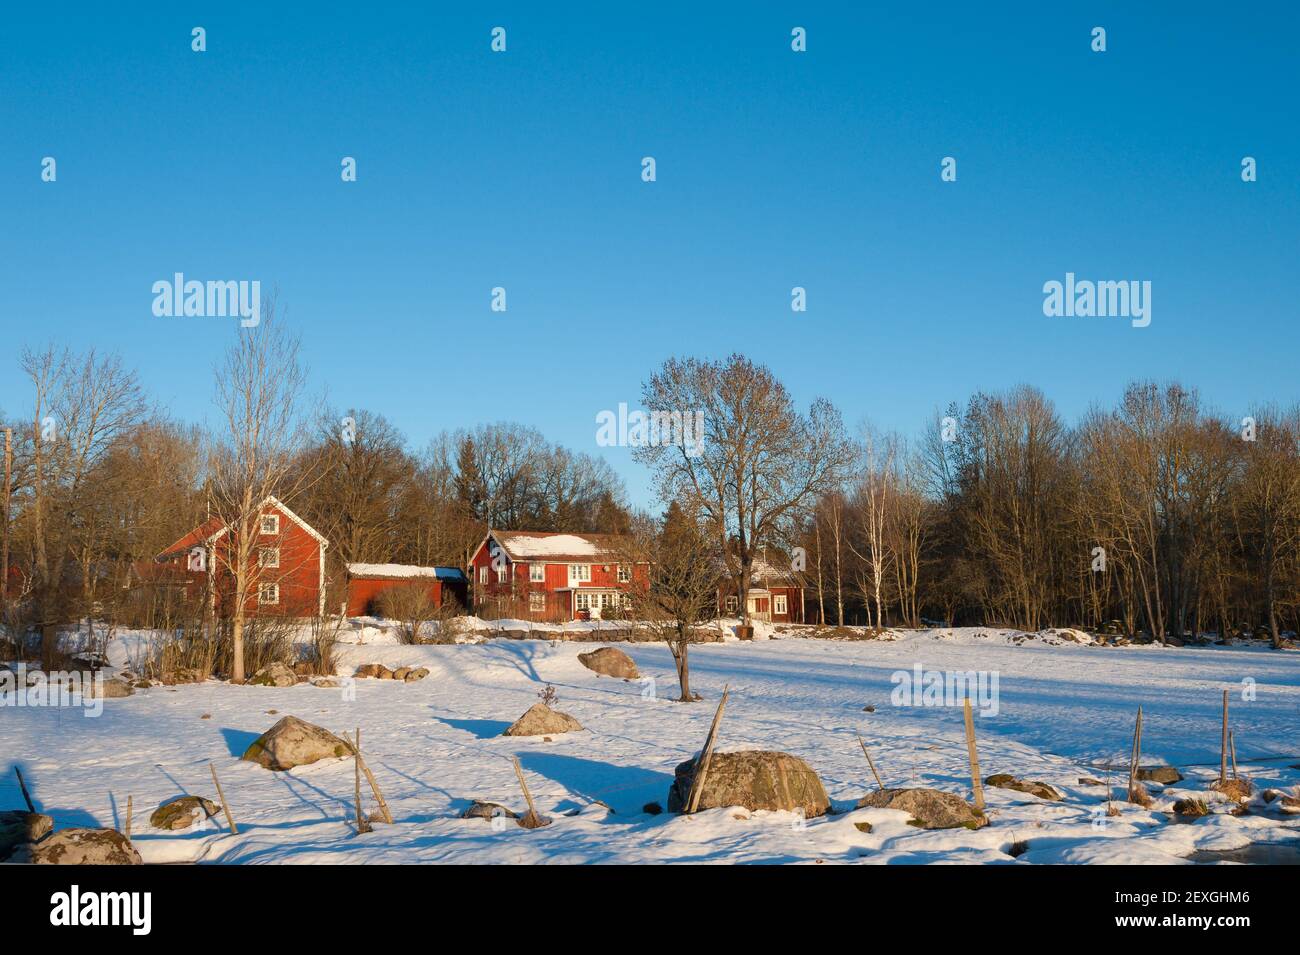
(775, 169)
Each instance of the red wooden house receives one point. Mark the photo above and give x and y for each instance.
(367, 582)
(539, 575)
(774, 595)
(288, 565)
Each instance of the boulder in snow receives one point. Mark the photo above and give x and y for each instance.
(18, 828)
(1165, 775)
(541, 720)
(1030, 786)
(609, 661)
(929, 808)
(277, 674)
(755, 779)
(183, 812)
(487, 810)
(83, 847)
(111, 689)
(376, 670)
(293, 742)
(418, 673)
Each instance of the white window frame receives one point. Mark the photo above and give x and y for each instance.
(624, 574)
(275, 524)
(268, 557)
(582, 575)
(780, 604)
(582, 600)
(503, 574)
(536, 601)
(537, 573)
(483, 574)
(268, 594)
(732, 603)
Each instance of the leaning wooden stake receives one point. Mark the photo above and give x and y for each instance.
(706, 755)
(974, 757)
(370, 778)
(872, 764)
(1136, 758)
(22, 784)
(225, 806)
(1232, 751)
(531, 819)
(363, 824)
(1223, 744)
(128, 818)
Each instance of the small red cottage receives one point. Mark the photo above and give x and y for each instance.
(539, 575)
(288, 565)
(774, 595)
(366, 582)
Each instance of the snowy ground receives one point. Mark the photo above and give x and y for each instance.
(1063, 712)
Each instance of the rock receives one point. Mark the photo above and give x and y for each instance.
(862, 826)
(294, 742)
(328, 682)
(652, 808)
(755, 779)
(1290, 805)
(487, 810)
(1089, 781)
(1165, 775)
(929, 808)
(1032, 787)
(277, 674)
(183, 812)
(1271, 794)
(868, 709)
(419, 673)
(609, 661)
(541, 720)
(85, 847)
(1191, 808)
(18, 827)
(401, 673)
(375, 670)
(111, 689)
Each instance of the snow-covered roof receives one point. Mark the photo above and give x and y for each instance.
(547, 545)
(404, 571)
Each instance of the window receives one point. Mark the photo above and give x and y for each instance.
(537, 601)
(624, 573)
(582, 601)
(732, 604)
(778, 603)
(503, 573)
(579, 574)
(482, 575)
(608, 601)
(268, 557)
(537, 573)
(268, 593)
(270, 523)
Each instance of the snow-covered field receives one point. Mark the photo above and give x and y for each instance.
(1063, 712)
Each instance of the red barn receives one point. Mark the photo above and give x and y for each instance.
(288, 565)
(541, 575)
(366, 582)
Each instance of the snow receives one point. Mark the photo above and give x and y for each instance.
(403, 571)
(1066, 710)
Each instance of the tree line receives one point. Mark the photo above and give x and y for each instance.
(1155, 516)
